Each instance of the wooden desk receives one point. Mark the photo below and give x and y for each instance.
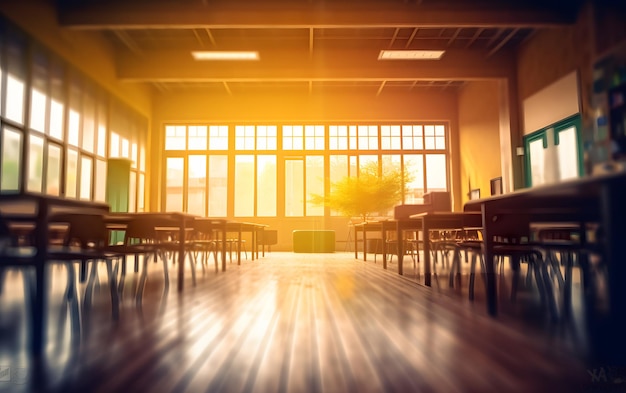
(439, 221)
(38, 209)
(176, 220)
(239, 228)
(600, 199)
(372, 226)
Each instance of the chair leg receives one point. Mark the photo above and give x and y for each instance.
(115, 301)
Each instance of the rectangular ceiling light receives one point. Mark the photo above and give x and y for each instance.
(410, 54)
(225, 55)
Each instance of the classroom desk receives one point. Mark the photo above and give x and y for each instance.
(37, 210)
(439, 221)
(372, 226)
(597, 199)
(182, 222)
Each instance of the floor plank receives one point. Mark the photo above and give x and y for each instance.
(284, 323)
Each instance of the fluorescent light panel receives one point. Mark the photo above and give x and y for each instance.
(410, 54)
(225, 55)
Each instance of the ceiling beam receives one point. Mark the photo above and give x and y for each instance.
(164, 66)
(133, 15)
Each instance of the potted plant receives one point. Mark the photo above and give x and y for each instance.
(366, 194)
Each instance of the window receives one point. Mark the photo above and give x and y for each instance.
(174, 168)
(196, 185)
(53, 172)
(175, 137)
(244, 185)
(71, 173)
(11, 159)
(218, 138)
(250, 181)
(266, 138)
(86, 164)
(314, 183)
(218, 186)
(244, 137)
(266, 185)
(294, 188)
(197, 138)
(35, 163)
(390, 137)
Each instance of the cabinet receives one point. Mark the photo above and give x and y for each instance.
(118, 190)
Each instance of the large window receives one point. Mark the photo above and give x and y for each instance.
(59, 127)
(272, 170)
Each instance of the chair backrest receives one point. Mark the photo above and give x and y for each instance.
(268, 237)
(86, 230)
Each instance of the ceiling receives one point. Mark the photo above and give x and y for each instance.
(313, 45)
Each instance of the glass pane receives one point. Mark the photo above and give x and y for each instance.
(142, 193)
(266, 186)
(567, 151)
(35, 164)
(102, 140)
(125, 148)
(537, 162)
(101, 181)
(314, 183)
(132, 192)
(133, 155)
(218, 138)
(115, 145)
(74, 128)
(174, 184)
(294, 188)
(196, 185)
(244, 186)
(15, 106)
(71, 173)
(56, 119)
(197, 138)
(38, 109)
(218, 181)
(414, 164)
(53, 171)
(338, 170)
(89, 123)
(436, 172)
(175, 137)
(142, 158)
(11, 160)
(86, 164)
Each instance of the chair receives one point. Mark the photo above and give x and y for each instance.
(141, 239)
(204, 241)
(86, 241)
(267, 237)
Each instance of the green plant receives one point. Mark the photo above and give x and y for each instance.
(366, 194)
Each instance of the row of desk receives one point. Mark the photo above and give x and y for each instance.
(598, 200)
(38, 212)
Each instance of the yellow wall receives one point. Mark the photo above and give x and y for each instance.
(479, 136)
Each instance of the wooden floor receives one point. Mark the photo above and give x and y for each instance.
(284, 323)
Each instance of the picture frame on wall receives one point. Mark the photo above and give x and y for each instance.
(496, 186)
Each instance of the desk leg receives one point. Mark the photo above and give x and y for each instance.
(181, 255)
(490, 270)
(224, 249)
(383, 235)
(356, 242)
(426, 237)
(239, 247)
(400, 249)
(613, 343)
(364, 244)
